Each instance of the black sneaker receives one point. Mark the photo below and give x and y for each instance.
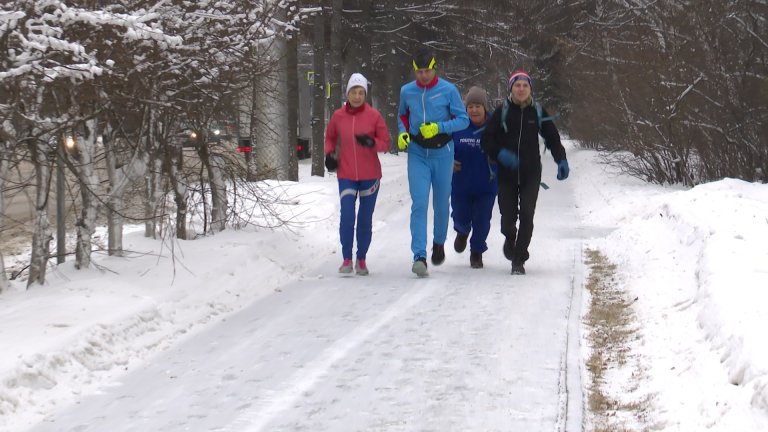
(476, 260)
(509, 249)
(518, 268)
(438, 254)
(420, 267)
(460, 243)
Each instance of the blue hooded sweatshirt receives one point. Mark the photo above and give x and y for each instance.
(477, 174)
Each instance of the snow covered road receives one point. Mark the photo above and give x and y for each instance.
(461, 350)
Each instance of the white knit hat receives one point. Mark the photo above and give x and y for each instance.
(357, 80)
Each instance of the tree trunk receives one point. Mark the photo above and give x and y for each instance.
(120, 174)
(214, 166)
(245, 129)
(153, 178)
(292, 84)
(334, 78)
(358, 52)
(318, 97)
(41, 235)
(114, 202)
(392, 91)
(174, 166)
(89, 184)
(5, 156)
(218, 193)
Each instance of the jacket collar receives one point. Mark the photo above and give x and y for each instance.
(348, 108)
(481, 125)
(428, 86)
(521, 105)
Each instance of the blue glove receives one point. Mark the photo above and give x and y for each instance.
(563, 170)
(507, 159)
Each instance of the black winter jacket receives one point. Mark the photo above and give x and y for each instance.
(522, 138)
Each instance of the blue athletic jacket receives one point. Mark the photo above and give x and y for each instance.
(437, 102)
(477, 174)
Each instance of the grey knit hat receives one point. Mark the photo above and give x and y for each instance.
(476, 95)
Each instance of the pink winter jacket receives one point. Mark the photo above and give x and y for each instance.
(355, 161)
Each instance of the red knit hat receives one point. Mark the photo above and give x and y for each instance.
(518, 75)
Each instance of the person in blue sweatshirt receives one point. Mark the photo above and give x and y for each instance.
(430, 111)
(475, 183)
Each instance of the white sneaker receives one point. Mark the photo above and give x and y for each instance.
(420, 267)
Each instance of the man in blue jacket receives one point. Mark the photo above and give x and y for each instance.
(430, 111)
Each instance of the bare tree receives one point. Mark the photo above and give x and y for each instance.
(137, 91)
(7, 152)
(318, 92)
(40, 58)
(5, 155)
(700, 116)
(89, 191)
(292, 87)
(41, 234)
(334, 77)
(124, 166)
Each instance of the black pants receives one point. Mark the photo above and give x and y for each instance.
(518, 202)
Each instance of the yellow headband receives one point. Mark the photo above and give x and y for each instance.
(431, 65)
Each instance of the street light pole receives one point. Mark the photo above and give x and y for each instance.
(61, 248)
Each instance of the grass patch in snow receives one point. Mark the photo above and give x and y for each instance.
(611, 329)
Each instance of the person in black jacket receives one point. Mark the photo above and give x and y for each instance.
(514, 144)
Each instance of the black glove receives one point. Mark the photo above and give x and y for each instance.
(365, 140)
(331, 163)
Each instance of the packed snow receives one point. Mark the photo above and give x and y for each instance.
(254, 329)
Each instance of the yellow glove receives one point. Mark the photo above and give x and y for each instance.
(403, 140)
(428, 130)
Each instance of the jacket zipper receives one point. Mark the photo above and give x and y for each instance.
(424, 112)
(519, 139)
(354, 147)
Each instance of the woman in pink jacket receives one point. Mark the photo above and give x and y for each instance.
(355, 133)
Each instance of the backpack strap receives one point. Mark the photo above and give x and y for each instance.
(504, 112)
(541, 119)
(540, 116)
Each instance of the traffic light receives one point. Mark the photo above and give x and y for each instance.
(244, 146)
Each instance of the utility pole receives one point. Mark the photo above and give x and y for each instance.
(61, 233)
